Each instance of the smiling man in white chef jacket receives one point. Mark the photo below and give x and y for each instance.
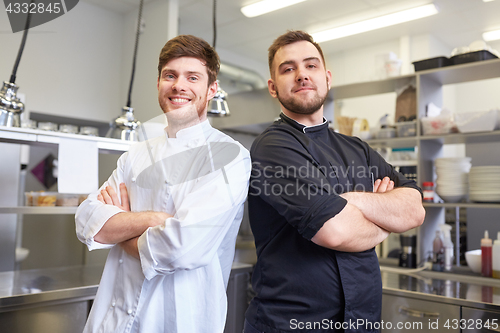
(171, 211)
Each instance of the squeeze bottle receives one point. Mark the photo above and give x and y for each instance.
(448, 246)
(486, 269)
(495, 257)
(438, 250)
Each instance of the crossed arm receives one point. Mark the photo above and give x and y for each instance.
(126, 227)
(368, 218)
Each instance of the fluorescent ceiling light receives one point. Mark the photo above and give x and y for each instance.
(488, 0)
(491, 35)
(375, 23)
(266, 6)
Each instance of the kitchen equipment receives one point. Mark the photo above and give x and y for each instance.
(430, 63)
(473, 259)
(484, 183)
(66, 128)
(448, 246)
(408, 254)
(125, 126)
(481, 121)
(452, 178)
(10, 106)
(47, 126)
(89, 130)
(486, 262)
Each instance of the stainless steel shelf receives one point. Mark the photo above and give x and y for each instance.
(462, 205)
(38, 210)
(477, 137)
(479, 70)
(40, 137)
(394, 142)
(371, 87)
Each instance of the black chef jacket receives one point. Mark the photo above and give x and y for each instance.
(298, 173)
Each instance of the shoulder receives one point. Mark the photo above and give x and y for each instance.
(218, 136)
(277, 136)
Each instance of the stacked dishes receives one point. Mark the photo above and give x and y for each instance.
(484, 184)
(452, 178)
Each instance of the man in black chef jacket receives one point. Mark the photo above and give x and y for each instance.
(315, 210)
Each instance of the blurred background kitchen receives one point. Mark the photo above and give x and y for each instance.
(75, 71)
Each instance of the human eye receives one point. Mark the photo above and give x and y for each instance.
(193, 78)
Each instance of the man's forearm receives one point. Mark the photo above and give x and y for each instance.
(350, 231)
(398, 210)
(126, 225)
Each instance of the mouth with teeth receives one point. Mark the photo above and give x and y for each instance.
(179, 100)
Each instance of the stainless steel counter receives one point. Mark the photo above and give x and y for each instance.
(451, 288)
(59, 299)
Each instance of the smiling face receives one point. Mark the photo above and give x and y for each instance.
(183, 90)
(299, 78)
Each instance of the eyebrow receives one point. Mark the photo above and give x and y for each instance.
(289, 62)
(168, 70)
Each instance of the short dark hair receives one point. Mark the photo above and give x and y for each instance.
(290, 37)
(191, 46)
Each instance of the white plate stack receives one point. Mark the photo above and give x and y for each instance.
(452, 178)
(484, 184)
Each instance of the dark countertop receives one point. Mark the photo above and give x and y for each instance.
(36, 286)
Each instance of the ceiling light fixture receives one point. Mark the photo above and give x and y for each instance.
(488, 0)
(266, 6)
(491, 35)
(375, 23)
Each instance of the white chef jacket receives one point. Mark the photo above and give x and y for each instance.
(179, 285)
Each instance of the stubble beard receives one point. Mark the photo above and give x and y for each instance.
(301, 106)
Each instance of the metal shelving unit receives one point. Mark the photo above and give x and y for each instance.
(38, 210)
(429, 85)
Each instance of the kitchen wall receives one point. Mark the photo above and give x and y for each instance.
(70, 66)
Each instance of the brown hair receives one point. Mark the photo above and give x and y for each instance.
(290, 37)
(191, 46)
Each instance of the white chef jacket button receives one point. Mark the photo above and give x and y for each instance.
(113, 304)
(120, 261)
(134, 179)
(129, 311)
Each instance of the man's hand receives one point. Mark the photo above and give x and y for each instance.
(108, 196)
(383, 185)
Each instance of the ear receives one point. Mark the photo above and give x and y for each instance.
(272, 88)
(158, 84)
(329, 79)
(212, 90)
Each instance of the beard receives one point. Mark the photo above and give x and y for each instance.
(302, 106)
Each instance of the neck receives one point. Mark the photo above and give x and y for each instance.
(175, 125)
(306, 119)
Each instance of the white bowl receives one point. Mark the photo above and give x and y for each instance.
(452, 198)
(473, 259)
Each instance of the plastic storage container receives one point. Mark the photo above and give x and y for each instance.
(406, 128)
(66, 128)
(65, 199)
(45, 199)
(472, 57)
(89, 130)
(437, 125)
(431, 63)
(385, 133)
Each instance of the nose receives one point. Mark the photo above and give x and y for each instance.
(177, 85)
(302, 75)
